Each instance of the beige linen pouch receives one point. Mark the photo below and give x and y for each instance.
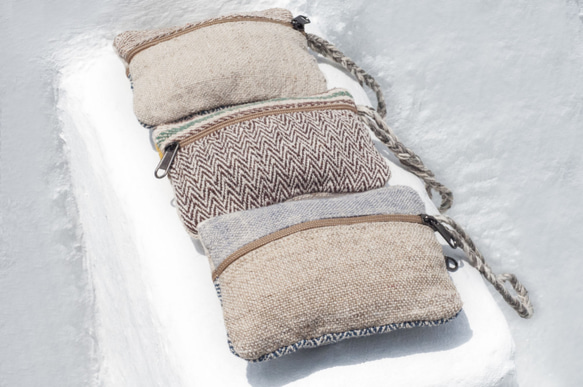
(313, 272)
(223, 61)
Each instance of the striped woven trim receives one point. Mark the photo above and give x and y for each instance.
(166, 134)
(218, 290)
(332, 338)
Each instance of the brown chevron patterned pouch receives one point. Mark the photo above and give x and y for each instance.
(222, 61)
(313, 272)
(262, 153)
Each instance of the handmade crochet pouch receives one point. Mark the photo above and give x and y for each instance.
(317, 271)
(262, 153)
(222, 61)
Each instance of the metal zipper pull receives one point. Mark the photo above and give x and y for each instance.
(437, 226)
(166, 160)
(299, 22)
(451, 264)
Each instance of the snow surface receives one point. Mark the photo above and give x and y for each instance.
(157, 315)
(489, 93)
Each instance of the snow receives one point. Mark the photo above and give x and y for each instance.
(488, 93)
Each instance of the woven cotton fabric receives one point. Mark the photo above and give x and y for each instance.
(326, 281)
(321, 285)
(125, 42)
(229, 60)
(275, 150)
(223, 235)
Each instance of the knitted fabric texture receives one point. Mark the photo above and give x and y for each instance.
(223, 61)
(326, 284)
(264, 153)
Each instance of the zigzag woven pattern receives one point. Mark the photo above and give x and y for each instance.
(272, 158)
(332, 338)
(165, 134)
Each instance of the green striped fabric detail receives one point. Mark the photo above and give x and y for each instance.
(164, 135)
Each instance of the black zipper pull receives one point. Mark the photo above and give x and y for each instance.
(166, 161)
(437, 226)
(299, 22)
(451, 264)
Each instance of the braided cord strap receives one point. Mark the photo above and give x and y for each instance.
(328, 50)
(406, 156)
(518, 300)
(375, 120)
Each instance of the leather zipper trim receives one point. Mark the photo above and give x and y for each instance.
(130, 55)
(249, 247)
(206, 132)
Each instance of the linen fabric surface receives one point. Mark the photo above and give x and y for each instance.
(223, 61)
(262, 153)
(322, 285)
(223, 235)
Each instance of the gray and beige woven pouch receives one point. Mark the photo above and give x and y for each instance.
(317, 271)
(280, 180)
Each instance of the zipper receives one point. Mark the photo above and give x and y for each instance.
(424, 219)
(297, 23)
(171, 149)
(438, 227)
(166, 160)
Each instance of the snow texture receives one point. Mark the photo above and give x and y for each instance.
(489, 93)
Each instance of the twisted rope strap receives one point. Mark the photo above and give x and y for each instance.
(519, 300)
(406, 156)
(413, 163)
(375, 120)
(328, 50)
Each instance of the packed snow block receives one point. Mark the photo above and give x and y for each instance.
(158, 319)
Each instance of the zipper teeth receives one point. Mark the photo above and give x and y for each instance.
(130, 55)
(307, 226)
(214, 128)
